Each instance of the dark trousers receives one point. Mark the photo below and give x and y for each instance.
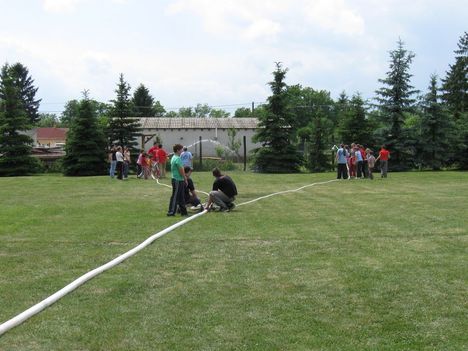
(342, 171)
(359, 169)
(120, 169)
(177, 198)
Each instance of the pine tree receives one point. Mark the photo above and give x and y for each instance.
(395, 99)
(436, 131)
(277, 154)
(455, 84)
(15, 145)
(123, 130)
(354, 125)
(27, 91)
(318, 161)
(85, 150)
(143, 102)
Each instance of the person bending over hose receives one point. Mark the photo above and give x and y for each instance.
(224, 192)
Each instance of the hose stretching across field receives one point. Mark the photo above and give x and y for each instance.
(20, 318)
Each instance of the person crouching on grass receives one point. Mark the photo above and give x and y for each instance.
(179, 182)
(224, 192)
(191, 197)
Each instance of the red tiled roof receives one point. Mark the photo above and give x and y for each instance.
(52, 133)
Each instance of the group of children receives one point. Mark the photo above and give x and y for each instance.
(359, 162)
(152, 162)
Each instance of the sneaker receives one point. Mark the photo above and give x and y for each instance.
(231, 206)
(170, 214)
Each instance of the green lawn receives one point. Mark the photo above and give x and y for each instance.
(348, 265)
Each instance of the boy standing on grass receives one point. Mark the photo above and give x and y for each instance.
(370, 163)
(179, 182)
(384, 155)
(341, 161)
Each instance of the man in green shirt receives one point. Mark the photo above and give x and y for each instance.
(179, 182)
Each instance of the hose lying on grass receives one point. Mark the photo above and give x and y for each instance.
(20, 318)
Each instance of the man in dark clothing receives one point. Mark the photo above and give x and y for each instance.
(223, 193)
(191, 197)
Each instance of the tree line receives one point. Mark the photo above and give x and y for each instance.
(299, 125)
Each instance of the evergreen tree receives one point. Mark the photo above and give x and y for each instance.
(277, 153)
(395, 99)
(354, 125)
(318, 161)
(455, 84)
(85, 150)
(143, 102)
(27, 91)
(15, 145)
(123, 130)
(436, 131)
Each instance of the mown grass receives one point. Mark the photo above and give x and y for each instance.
(349, 265)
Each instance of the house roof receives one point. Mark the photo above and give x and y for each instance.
(52, 133)
(197, 123)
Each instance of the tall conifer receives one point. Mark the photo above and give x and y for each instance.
(277, 154)
(15, 144)
(85, 150)
(395, 99)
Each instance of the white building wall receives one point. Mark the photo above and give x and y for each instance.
(190, 138)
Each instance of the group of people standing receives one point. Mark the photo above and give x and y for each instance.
(119, 159)
(359, 162)
(223, 192)
(152, 162)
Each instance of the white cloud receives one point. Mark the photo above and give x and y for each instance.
(60, 6)
(334, 15)
(242, 18)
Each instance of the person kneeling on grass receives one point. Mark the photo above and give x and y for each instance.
(191, 197)
(224, 192)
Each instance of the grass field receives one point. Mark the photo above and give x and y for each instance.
(348, 265)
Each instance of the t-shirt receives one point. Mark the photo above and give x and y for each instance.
(371, 161)
(186, 157)
(358, 155)
(176, 164)
(363, 154)
(119, 156)
(341, 155)
(226, 185)
(154, 153)
(162, 155)
(384, 154)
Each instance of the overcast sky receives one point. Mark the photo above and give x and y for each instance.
(222, 52)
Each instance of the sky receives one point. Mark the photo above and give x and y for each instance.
(223, 52)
